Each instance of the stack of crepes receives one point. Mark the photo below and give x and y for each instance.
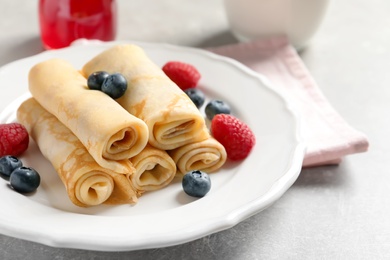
(111, 151)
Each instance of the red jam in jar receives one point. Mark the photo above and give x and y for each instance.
(63, 21)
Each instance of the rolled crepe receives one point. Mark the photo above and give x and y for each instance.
(154, 169)
(108, 131)
(172, 118)
(207, 155)
(86, 183)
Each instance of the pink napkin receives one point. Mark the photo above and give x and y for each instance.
(329, 137)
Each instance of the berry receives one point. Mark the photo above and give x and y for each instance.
(115, 85)
(9, 163)
(196, 183)
(95, 80)
(183, 74)
(215, 107)
(196, 95)
(237, 138)
(14, 139)
(25, 179)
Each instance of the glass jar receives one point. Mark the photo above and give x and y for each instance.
(63, 21)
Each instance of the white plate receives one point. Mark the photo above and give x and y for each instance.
(168, 216)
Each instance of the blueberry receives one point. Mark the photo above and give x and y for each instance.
(196, 183)
(25, 179)
(216, 107)
(95, 80)
(8, 163)
(196, 95)
(115, 85)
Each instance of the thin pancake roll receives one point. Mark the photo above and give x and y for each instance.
(86, 182)
(207, 155)
(172, 118)
(106, 129)
(154, 169)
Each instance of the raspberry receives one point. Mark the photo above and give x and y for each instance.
(183, 74)
(14, 139)
(236, 136)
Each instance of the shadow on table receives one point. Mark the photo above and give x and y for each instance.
(331, 175)
(16, 49)
(220, 39)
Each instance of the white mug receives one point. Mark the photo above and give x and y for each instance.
(296, 19)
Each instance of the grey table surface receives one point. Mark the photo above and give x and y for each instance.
(332, 212)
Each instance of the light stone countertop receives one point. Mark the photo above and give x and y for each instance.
(333, 212)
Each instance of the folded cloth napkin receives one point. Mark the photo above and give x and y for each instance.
(329, 137)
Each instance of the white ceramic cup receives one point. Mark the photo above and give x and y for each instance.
(296, 19)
